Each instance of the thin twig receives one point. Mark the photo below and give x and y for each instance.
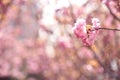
(108, 29)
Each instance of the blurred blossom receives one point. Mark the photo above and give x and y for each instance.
(4, 68)
(17, 62)
(31, 78)
(114, 65)
(29, 43)
(50, 51)
(67, 3)
(88, 68)
(36, 41)
(99, 70)
(42, 34)
(10, 14)
(104, 1)
(85, 53)
(78, 2)
(65, 42)
(17, 73)
(32, 67)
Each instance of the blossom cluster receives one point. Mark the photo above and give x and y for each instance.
(87, 33)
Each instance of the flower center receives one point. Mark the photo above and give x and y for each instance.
(88, 27)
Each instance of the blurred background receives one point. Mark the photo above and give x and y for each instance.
(37, 43)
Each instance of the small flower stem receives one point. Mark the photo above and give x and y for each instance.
(108, 29)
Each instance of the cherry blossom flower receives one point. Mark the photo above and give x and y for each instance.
(96, 23)
(87, 33)
(80, 30)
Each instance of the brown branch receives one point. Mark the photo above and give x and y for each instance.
(108, 29)
(97, 57)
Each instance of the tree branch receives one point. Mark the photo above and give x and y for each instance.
(108, 29)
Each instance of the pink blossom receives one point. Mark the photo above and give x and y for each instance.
(80, 30)
(87, 33)
(65, 42)
(96, 23)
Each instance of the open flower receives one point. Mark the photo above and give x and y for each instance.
(87, 33)
(96, 23)
(80, 30)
